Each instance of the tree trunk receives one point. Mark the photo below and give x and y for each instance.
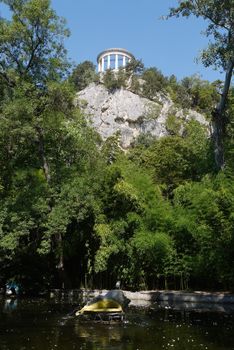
(57, 238)
(63, 280)
(219, 119)
(45, 163)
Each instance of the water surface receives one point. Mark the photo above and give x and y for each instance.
(39, 324)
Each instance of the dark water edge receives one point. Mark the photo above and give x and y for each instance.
(41, 324)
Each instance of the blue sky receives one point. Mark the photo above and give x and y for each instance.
(170, 45)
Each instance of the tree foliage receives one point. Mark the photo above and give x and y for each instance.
(83, 75)
(172, 160)
(220, 53)
(31, 44)
(154, 82)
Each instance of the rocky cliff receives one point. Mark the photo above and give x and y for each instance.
(130, 114)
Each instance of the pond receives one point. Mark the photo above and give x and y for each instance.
(40, 324)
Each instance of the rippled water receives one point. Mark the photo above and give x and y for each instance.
(38, 324)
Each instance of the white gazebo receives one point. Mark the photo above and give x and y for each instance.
(113, 59)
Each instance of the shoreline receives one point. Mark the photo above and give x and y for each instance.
(147, 297)
(144, 297)
(198, 301)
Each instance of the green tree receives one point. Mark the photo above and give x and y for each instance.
(134, 66)
(32, 61)
(31, 44)
(134, 209)
(83, 75)
(193, 92)
(203, 95)
(173, 160)
(151, 252)
(39, 127)
(42, 180)
(110, 81)
(154, 81)
(114, 80)
(204, 219)
(220, 52)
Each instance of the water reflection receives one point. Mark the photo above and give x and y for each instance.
(40, 325)
(198, 307)
(10, 304)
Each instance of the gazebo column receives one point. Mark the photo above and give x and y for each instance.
(124, 61)
(108, 62)
(116, 62)
(102, 69)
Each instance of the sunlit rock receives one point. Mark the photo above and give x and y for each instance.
(130, 114)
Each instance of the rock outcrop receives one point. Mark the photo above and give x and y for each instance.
(129, 114)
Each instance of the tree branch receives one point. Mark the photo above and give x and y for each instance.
(4, 75)
(205, 15)
(34, 47)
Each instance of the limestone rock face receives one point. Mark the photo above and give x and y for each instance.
(129, 114)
